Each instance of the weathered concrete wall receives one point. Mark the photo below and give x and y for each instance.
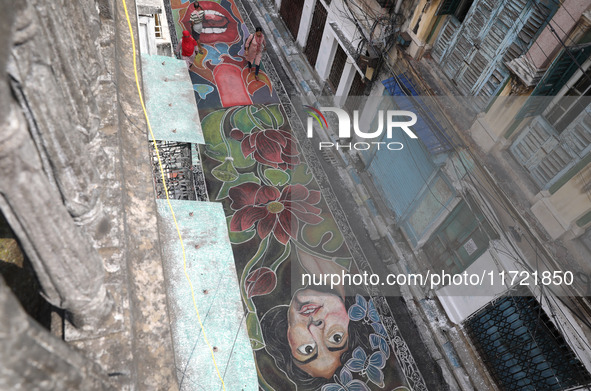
(56, 62)
(76, 188)
(32, 359)
(422, 22)
(547, 45)
(47, 177)
(154, 367)
(559, 211)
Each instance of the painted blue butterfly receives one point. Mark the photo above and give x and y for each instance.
(379, 342)
(370, 367)
(379, 329)
(380, 339)
(346, 383)
(363, 310)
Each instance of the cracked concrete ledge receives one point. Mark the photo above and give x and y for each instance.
(152, 342)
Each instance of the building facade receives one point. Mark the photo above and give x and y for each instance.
(499, 181)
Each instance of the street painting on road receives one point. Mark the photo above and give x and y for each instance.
(280, 226)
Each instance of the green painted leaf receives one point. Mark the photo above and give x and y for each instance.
(225, 172)
(277, 177)
(253, 261)
(315, 234)
(240, 237)
(301, 174)
(254, 331)
(242, 121)
(344, 262)
(264, 117)
(239, 160)
(242, 178)
(276, 112)
(211, 126)
(215, 147)
(218, 152)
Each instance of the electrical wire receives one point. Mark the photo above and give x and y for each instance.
(141, 99)
(520, 261)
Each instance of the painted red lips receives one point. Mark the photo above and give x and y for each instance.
(219, 24)
(309, 309)
(215, 20)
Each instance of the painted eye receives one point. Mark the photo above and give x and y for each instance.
(307, 348)
(336, 338)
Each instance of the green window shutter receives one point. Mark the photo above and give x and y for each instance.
(460, 239)
(448, 7)
(555, 78)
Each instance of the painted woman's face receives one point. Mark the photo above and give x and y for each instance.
(317, 332)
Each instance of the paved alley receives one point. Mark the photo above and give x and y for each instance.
(285, 219)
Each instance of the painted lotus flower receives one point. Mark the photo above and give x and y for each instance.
(272, 147)
(260, 282)
(273, 211)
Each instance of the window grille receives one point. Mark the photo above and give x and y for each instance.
(522, 348)
(315, 34)
(338, 64)
(355, 92)
(182, 171)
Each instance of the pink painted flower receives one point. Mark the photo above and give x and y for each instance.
(273, 211)
(260, 282)
(272, 147)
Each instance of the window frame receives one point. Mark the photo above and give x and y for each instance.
(158, 31)
(439, 242)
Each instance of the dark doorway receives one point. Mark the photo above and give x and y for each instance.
(291, 13)
(316, 30)
(336, 71)
(355, 93)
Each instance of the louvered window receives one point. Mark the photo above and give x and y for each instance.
(472, 54)
(561, 70)
(546, 154)
(553, 143)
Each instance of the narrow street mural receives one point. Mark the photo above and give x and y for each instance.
(281, 225)
(219, 74)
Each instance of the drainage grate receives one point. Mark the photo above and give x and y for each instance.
(182, 171)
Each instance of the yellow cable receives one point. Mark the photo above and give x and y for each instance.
(137, 83)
